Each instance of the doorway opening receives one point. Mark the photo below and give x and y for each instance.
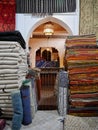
(48, 89)
(47, 57)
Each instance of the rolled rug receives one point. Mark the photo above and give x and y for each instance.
(25, 95)
(18, 110)
(16, 121)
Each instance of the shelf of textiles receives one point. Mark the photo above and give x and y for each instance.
(82, 65)
(13, 69)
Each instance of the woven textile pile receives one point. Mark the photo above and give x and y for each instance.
(13, 70)
(82, 66)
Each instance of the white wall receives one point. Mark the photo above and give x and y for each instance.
(26, 23)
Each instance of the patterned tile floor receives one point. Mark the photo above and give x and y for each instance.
(43, 120)
(50, 120)
(81, 123)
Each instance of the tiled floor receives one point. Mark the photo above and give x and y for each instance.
(50, 120)
(44, 120)
(81, 123)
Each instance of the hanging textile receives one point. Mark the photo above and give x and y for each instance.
(63, 83)
(7, 15)
(45, 6)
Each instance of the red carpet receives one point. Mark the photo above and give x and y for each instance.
(7, 15)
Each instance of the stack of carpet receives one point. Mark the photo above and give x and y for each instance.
(82, 66)
(13, 68)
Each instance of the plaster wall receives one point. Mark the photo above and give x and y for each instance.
(59, 44)
(27, 23)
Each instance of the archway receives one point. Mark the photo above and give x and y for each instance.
(52, 42)
(41, 47)
(47, 19)
(47, 57)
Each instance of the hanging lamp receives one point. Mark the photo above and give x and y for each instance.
(48, 29)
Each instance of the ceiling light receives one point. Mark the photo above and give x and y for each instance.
(48, 29)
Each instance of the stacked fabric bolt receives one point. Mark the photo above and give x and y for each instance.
(82, 65)
(13, 70)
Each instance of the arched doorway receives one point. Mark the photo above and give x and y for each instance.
(48, 53)
(47, 57)
(38, 39)
(46, 60)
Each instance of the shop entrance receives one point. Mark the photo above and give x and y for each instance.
(48, 89)
(47, 60)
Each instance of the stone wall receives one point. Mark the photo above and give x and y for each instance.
(89, 17)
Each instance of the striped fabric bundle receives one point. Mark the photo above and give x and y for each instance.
(84, 41)
(13, 69)
(82, 65)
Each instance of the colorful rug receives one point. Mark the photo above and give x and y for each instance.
(7, 15)
(78, 89)
(81, 58)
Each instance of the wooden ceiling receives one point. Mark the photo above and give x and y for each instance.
(59, 31)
